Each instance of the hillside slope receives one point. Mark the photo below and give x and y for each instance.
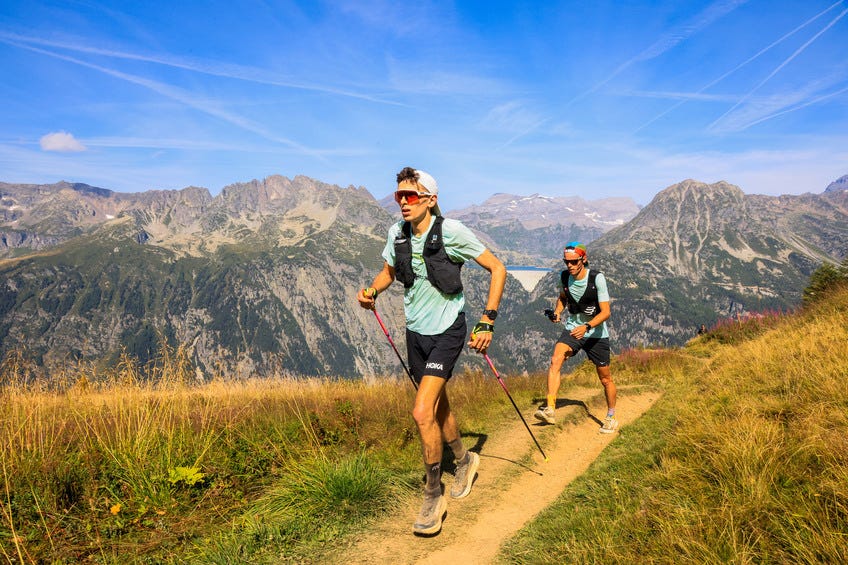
(741, 461)
(698, 253)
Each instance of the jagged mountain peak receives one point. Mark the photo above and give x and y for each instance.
(536, 210)
(85, 188)
(699, 251)
(275, 211)
(504, 198)
(839, 184)
(188, 220)
(54, 188)
(698, 230)
(689, 206)
(691, 188)
(277, 190)
(530, 229)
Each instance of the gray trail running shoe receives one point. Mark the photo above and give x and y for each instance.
(610, 425)
(464, 476)
(545, 414)
(429, 520)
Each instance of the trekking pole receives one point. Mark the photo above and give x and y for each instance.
(392, 343)
(503, 386)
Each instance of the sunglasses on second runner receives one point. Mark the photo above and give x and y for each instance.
(572, 261)
(412, 196)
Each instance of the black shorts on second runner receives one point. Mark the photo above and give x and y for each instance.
(597, 349)
(435, 354)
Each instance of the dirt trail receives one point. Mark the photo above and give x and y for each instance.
(508, 493)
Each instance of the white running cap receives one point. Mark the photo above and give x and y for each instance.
(427, 181)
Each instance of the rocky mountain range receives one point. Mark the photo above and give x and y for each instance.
(701, 252)
(528, 230)
(260, 278)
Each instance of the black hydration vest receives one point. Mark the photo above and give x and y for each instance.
(442, 272)
(588, 303)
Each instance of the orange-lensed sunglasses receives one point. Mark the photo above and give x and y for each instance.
(412, 196)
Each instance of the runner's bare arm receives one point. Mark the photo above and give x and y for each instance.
(382, 281)
(492, 264)
(559, 307)
(481, 341)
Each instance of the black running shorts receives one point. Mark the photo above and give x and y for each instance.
(597, 349)
(435, 355)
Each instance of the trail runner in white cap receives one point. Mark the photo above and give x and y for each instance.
(425, 252)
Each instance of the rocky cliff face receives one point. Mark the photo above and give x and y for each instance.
(260, 278)
(36, 217)
(699, 252)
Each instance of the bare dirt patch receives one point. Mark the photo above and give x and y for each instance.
(514, 484)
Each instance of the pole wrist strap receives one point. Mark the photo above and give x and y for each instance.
(482, 327)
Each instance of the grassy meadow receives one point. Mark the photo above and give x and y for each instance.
(106, 467)
(743, 460)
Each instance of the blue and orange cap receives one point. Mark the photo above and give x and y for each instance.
(575, 247)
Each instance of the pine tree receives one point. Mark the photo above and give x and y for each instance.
(824, 279)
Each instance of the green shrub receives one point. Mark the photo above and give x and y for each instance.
(824, 280)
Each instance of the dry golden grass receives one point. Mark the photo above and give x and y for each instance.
(99, 461)
(743, 460)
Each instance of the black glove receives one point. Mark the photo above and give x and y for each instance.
(482, 327)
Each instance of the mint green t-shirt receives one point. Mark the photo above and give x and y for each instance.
(577, 288)
(429, 311)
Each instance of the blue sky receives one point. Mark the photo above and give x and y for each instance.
(596, 99)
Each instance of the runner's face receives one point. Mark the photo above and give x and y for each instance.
(573, 262)
(417, 211)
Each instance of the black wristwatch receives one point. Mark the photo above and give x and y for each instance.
(491, 314)
(588, 327)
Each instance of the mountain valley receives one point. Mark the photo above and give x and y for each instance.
(260, 279)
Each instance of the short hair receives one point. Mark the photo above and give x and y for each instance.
(407, 173)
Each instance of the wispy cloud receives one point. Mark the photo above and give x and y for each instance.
(714, 126)
(785, 107)
(33, 166)
(350, 91)
(774, 172)
(671, 39)
(179, 95)
(386, 14)
(61, 142)
(739, 66)
(666, 42)
(421, 78)
(177, 144)
(682, 96)
(213, 68)
(528, 131)
(809, 166)
(512, 117)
